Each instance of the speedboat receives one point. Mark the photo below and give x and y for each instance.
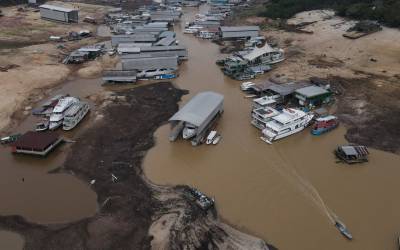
(211, 137)
(343, 229)
(245, 86)
(188, 131)
(216, 139)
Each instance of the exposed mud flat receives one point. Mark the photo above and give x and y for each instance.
(133, 213)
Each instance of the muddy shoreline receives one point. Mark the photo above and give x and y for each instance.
(130, 206)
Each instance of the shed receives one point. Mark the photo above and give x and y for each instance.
(200, 111)
(56, 13)
(150, 63)
(312, 96)
(36, 143)
(238, 32)
(285, 91)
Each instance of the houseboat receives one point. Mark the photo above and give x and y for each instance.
(36, 143)
(351, 154)
(263, 102)
(260, 116)
(75, 114)
(289, 122)
(57, 116)
(324, 124)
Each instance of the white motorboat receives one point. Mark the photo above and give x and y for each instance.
(245, 86)
(211, 136)
(217, 139)
(261, 116)
(289, 122)
(57, 116)
(75, 114)
(343, 229)
(189, 131)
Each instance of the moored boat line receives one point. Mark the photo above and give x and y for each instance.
(75, 114)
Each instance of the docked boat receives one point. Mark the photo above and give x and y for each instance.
(324, 124)
(57, 116)
(263, 102)
(9, 139)
(260, 116)
(211, 136)
(343, 229)
(189, 131)
(246, 86)
(217, 139)
(288, 122)
(351, 154)
(42, 126)
(75, 114)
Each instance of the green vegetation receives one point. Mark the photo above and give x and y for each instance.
(384, 11)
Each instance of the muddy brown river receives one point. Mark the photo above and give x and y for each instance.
(286, 193)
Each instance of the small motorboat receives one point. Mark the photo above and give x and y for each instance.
(216, 139)
(42, 126)
(343, 229)
(188, 131)
(210, 137)
(324, 124)
(245, 86)
(9, 139)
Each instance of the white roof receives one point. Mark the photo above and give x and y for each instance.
(75, 108)
(64, 103)
(264, 100)
(257, 52)
(197, 110)
(57, 8)
(326, 118)
(288, 115)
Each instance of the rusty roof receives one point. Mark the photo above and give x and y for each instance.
(36, 140)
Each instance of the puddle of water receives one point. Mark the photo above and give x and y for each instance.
(11, 241)
(287, 192)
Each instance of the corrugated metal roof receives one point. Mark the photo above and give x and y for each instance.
(38, 141)
(167, 34)
(152, 54)
(286, 88)
(197, 110)
(166, 41)
(56, 8)
(239, 34)
(311, 91)
(150, 63)
(239, 28)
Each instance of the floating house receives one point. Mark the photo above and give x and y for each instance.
(60, 14)
(196, 117)
(312, 96)
(238, 32)
(36, 143)
(144, 38)
(160, 51)
(150, 63)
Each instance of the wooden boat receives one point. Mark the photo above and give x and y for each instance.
(352, 153)
(343, 230)
(324, 124)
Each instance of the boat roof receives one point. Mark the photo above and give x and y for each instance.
(288, 115)
(257, 52)
(355, 150)
(64, 103)
(264, 100)
(268, 111)
(36, 140)
(326, 118)
(74, 108)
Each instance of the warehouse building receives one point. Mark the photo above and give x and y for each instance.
(238, 32)
(60, 14)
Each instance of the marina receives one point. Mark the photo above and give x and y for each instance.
(292, 182)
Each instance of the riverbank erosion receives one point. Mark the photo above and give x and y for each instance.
(133, 213)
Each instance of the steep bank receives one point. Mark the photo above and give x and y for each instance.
(130, 206)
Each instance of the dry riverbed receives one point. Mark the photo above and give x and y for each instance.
(365, 72)
(133, 213)
(31, 71)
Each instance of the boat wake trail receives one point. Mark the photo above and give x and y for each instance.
(290, 172)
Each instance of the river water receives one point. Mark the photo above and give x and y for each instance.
(286, 193)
